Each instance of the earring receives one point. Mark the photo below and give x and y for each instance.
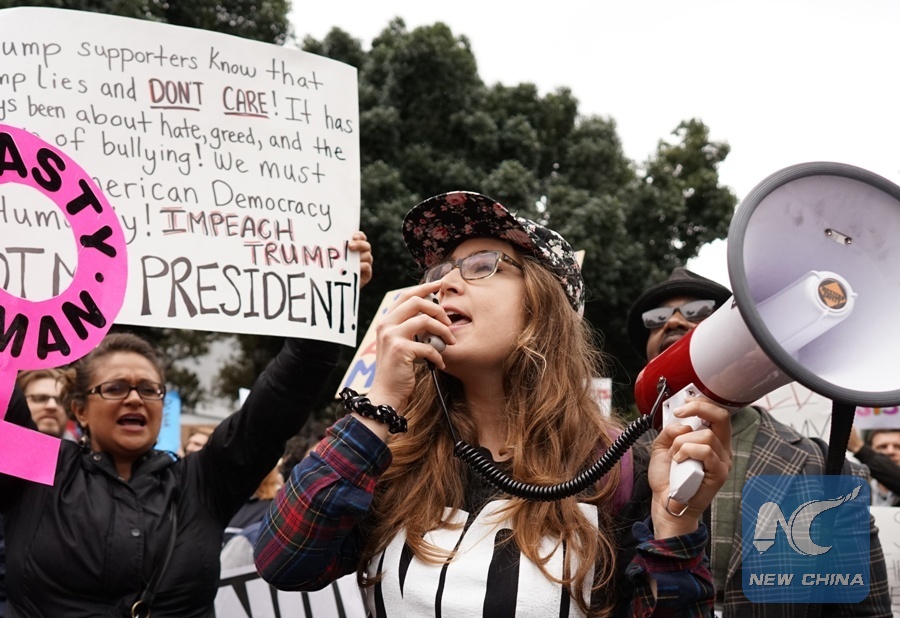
(85, 442)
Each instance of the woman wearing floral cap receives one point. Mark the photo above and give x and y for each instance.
(385, 495)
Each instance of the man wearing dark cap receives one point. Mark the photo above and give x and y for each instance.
(661, 316)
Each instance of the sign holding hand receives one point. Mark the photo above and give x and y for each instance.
(58, 330)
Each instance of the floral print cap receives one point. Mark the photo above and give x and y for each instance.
(433, 228)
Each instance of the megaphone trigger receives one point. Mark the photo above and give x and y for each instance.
(684, 477)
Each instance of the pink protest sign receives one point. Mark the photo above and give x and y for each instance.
(58, 330)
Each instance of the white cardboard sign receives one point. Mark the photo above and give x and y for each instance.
(232, 165)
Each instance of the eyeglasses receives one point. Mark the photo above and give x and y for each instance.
(150, 391)
(693, 311)
(479, 265)
(41, 398)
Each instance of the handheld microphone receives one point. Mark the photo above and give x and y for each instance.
(433, 340)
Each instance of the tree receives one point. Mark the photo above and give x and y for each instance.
(428, 124)
(261, 20)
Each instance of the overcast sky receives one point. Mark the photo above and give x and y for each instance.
(782, 81)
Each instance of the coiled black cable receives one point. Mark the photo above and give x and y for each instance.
(488, 470)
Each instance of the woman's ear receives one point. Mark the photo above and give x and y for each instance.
(79, 415)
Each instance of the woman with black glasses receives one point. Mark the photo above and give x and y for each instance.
(126, 529)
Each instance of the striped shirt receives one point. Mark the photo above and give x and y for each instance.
(311, 536)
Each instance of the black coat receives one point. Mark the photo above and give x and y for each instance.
(87, 545)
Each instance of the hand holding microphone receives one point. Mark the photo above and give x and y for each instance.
(433, 340)
(401, 333)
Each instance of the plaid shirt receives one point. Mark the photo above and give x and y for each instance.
(779, 449)
(311, 534)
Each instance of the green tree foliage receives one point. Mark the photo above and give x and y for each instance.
(261, 20)
(429, 124)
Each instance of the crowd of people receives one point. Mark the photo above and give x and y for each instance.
(454, 486)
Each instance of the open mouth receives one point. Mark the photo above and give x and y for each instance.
(457, 318)
(132, 420)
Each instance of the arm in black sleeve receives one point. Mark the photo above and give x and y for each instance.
(882, 468)
(246, 446)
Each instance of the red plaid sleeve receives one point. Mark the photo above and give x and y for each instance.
(684, 585)
(308, 539)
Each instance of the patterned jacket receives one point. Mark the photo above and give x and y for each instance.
(779, 449)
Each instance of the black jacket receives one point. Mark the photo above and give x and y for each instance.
(883, 469)
(87, 545)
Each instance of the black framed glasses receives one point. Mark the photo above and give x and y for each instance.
(150, 391)
(693, 311)
(479, 265)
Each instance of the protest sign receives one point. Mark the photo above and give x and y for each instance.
(243, 594)
(361, 372)
(232, 165)
(887, 518)
(795, 405)
(810, 413)
(58, 330)
(877, 418)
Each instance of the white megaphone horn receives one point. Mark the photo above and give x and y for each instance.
(814, 264)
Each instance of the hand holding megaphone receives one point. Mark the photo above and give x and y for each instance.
(690, 459)
(684, 477)
(812, 260)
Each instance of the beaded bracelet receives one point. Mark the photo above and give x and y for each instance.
(383, 414)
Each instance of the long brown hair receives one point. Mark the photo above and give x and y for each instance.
(554, 430)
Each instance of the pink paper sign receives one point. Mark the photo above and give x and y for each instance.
(58, 330)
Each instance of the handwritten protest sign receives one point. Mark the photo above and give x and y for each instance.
(61, 329)
(361, 372)
(232, 165)
(877, 418)
(243, 594)
(887, 518)
(810, 413)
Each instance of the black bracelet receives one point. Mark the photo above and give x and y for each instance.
(383, 414)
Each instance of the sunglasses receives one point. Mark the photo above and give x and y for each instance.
(120, 390)
(479, 265)
(693, 311)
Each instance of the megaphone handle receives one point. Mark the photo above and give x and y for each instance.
(684, 477)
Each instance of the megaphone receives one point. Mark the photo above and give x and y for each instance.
(814, 264)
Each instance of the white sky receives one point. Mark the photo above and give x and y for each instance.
(782, 81)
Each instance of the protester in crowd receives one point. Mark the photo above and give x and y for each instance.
(881, 454)
(427, 535)
(42, 392)
(126, 529)
(761, 445)
(197, 439)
